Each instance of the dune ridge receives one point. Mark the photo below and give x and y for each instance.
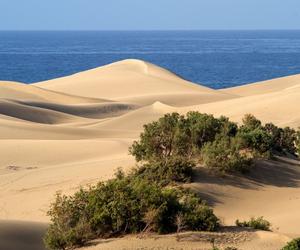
(64, 133)
(133, 81)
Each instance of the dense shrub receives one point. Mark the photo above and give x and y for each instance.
(69, 222)
(250, 122)
(256, 223)
(288, 138)
(228, 128)
(124, 205)
(162, 139)
(276, 136)
(120, 205)
(197, 136)
(203, 128)
(167, 152)
(257, 140)
(292, 245)
(197, 215)
(174, 169)
(225, 155)
(267, 138)
(176, 135)
(282, 139)
(254, 136)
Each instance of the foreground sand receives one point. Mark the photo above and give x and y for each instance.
(74, 131)
(246, 240)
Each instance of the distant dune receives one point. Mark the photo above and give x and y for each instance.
(134, 81)
(73, 131)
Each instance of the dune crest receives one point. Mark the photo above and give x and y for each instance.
(134, 81)
(265, 87)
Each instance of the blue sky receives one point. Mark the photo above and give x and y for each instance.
(148, 14)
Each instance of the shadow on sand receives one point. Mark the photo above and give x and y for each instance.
(16, 235)
(281, 172)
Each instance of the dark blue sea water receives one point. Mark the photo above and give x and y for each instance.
(214, 58)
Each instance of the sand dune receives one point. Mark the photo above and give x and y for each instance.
(134, 121)
(280, 107)
(32, 171)
(33, 114)
(271, 191)
(265, 87)
(20, 91)
(88, 110)
(147, 84)
(76, 130)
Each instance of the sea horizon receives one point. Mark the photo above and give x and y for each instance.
(214, 58)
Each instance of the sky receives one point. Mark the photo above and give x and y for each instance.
(148, 14)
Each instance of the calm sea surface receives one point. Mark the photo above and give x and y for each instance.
(214, 58)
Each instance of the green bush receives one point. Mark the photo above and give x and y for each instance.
(175, 135)
(276, 136)
(288, 139)
(283, 140)
(292, 245)
(197, 215)
(224, 155)
(167, 152)
(228, 128)
(69, 222)
(126, 204)
(250, 122)
(253, 136)
(256, 223)
(174, 169)
(203, 128)
(257, 140)
(162, 139)
(198, 135)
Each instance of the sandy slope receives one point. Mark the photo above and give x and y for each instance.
(76, 130)
(265, 87)
(280, 107)
(245, 240)
(134, 81)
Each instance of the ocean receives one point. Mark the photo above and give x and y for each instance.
(217, 59)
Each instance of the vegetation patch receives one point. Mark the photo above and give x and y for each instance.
(216, 143)
(149, 198)
(292, 245)
(123, 205)
(256, 223)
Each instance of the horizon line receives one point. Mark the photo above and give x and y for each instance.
(136, 30)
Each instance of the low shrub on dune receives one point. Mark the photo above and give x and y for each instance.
(292, 245)
(124, 205)
(256, 223)
(218, 143)
(175, 143)
(175, 135)
(283, 140)
(172, 170)
(225, 155)
(167, 152)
